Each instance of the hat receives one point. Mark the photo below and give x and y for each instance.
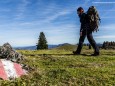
(79, 9)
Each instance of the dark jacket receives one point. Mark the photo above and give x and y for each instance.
(83, 21)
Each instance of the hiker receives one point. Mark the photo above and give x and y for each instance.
(85, 30)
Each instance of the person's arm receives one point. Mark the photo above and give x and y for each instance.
(80, 33)
(82, 24)
(81, 29)
(82, 20)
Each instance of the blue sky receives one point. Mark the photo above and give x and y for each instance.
(21, 21)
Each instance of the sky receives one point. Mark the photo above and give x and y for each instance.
(21, 21)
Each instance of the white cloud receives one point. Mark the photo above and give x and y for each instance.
(22, 8)
(45, 19)
(5, 1)
(22, 42)
(86, 2)
(55, 16)
(23, 35)
(106, 17)
(107, 27)
(106, 37)
(103, 2)
(4, 10)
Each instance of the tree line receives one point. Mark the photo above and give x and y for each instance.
(108, 45)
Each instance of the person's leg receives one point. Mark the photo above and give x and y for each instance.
(81, 40)
(92, 42)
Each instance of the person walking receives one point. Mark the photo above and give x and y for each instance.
(85, 30)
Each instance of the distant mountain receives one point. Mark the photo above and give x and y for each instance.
(60, 46)
(25, 48)
(64, 44)
(52, 46)
(33, 47)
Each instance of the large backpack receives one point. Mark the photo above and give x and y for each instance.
(93, 18)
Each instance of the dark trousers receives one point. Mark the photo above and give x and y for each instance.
(89, 35)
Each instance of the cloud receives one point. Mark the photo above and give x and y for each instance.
(106, 17)
(56, 34)
(103, 2)
(86, 2)
(68, 33)
(58, 14)
(5, 1)
(106, 37)
(22, 8)
(4, 10)
(57, 20)
(53, 11)
(48, 18)
(110, 10)
(108, 27)
(21, 42)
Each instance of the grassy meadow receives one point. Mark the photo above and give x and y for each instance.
(59, 67)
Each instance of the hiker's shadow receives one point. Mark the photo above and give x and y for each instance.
(71, 54)
(85, 55)
(68, 54)
(60, 55)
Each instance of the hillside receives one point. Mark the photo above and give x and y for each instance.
(65, 46)
(58, 67)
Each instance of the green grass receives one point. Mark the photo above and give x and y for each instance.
(58, 67)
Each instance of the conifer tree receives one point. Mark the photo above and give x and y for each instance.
(42, 42)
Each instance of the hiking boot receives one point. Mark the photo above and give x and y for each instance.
(95, 54)
(75, 53)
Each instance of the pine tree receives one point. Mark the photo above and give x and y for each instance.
(42, 42)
